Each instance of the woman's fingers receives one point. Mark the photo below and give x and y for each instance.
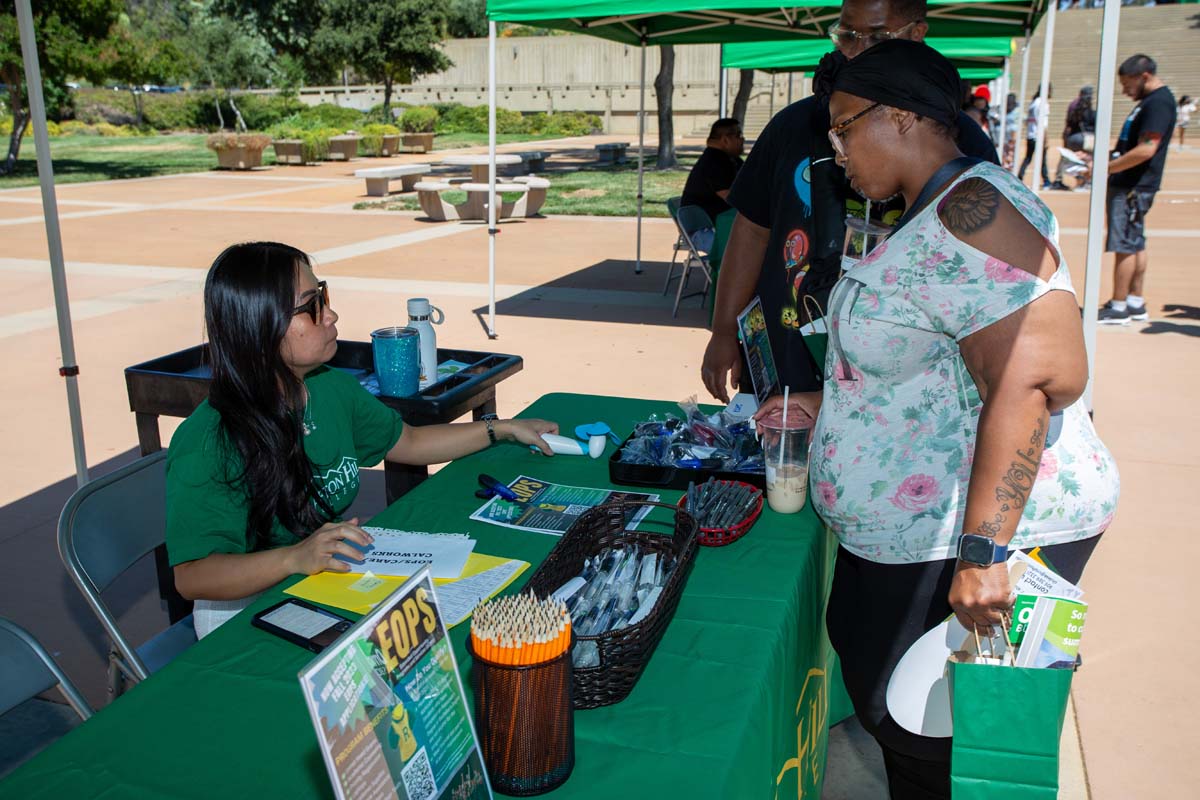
(335, 565)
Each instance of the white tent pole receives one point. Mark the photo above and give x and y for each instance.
(1021, 104)
(1043, 118)
(1105, 86)
(492, 199)
(722, 84)
(637, 268)
(1003, 102)
(58, 272)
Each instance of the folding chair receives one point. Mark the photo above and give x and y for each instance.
(107, 526)
(28, 671)
(689, 220)
(680, 242)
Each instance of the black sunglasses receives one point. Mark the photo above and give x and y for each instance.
(315, 305)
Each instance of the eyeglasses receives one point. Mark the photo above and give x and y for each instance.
(835, 133)
(848, 37)
(315, 306)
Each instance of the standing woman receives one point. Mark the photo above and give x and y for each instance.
(949, 430)
(259, 475)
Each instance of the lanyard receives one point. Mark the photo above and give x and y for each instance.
(941, 177)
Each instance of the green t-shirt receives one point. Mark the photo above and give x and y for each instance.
(348, 428)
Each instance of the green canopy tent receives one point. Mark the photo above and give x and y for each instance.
(653, 22)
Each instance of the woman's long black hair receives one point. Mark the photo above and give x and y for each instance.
(249, 296)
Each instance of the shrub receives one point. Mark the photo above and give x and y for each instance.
(372, 137)
(6, 125)
(74, 127)
(419, 119)
(229, 141)
(173, 112)
(564, 123)
(314, 142)
(121, 131)
(474, 119)
(52, 128)
(327, 115)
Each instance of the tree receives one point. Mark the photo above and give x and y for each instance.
(664, 90)
(742, 99)
(227, 56)
(467, 19)
(290, 28)
(388, 42)
(69, 37)
(144, 48)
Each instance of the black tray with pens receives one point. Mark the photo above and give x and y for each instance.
(623, 653)
(672, 477)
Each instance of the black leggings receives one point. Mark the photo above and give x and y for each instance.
(868, 601)
(1030, 144)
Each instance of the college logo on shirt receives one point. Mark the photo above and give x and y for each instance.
(339, 484)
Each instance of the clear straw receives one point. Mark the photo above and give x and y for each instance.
(783, 433)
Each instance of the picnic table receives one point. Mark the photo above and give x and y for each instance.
(734, 703)
(479, 164)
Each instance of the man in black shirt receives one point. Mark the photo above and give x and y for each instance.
(792, 201)
(1135, 173)
(712, 175)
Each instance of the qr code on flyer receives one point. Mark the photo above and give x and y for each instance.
(417, 775)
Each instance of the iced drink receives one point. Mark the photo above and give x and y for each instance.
(785, 453)
(787, 488)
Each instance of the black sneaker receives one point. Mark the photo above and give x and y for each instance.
(1111, 316)
(1137, 313)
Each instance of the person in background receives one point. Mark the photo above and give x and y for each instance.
(1012, 114)
(260, 475)
(713, 173)
(792, 201)
(1183, 115)
(950, 430)
(1037, 119)
(1079, 133)
(1134, 176)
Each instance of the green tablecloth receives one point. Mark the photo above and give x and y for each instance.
(735, 702)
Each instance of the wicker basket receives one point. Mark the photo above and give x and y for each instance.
(719, 537)
(623, 653)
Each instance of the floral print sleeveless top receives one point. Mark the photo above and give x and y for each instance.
(893, 445)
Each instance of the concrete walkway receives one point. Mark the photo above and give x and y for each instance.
(568, 302)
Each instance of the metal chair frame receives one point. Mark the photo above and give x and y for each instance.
(51, 674)
(684, 217)
(95, 561)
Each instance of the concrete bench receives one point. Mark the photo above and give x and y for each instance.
(378, 177)
(534, 162)
(536, 197)
(611, 152)
(429, 195)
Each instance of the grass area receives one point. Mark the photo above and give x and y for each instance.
(597, 191)
(449, 141)
(99, 158)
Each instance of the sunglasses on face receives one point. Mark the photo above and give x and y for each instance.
(315, 306)
(848, 37)
(835, 133)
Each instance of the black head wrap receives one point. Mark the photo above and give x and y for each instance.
(903, 74)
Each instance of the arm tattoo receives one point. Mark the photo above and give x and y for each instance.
(1016, 485)
(970, 207)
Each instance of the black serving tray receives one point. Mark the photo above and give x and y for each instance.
(175, 384)
(624, 474)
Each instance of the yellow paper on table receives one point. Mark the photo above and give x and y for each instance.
(361, 593)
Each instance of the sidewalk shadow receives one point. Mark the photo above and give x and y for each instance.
(609, 291)
(1175, 311)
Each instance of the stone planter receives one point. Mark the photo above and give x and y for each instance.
(418, 142)
(288, 151)
(390, 145)
(241, 157)
(343, 148)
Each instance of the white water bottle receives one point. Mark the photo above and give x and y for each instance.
(423, 316)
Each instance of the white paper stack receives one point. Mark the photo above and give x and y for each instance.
(403, 553)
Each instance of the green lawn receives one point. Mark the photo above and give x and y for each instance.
(599, 191)
(99, 158)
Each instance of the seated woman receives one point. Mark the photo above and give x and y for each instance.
(259, 475)
(949, 431)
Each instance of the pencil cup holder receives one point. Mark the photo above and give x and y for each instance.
(526, 723)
